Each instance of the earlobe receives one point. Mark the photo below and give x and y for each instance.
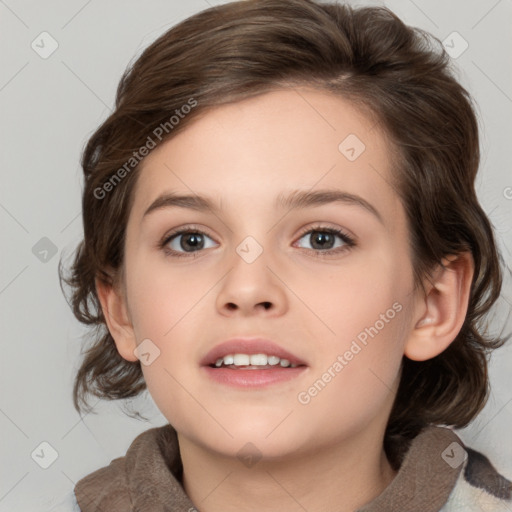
(115, 311)
(441, 313)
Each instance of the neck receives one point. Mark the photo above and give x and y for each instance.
(341, 477)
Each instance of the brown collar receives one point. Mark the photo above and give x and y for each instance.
(426, 476)
(148, 477)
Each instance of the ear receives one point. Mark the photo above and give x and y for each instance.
(115, 311)
(439, 316)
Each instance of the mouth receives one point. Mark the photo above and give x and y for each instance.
(251, 363)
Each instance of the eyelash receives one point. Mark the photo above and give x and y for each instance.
(348, 241)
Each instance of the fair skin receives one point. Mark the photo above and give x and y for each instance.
(326, 454)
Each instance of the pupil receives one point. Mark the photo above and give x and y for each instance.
(196, 241)
(321, 239)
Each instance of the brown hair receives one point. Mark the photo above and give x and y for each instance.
(398, 74)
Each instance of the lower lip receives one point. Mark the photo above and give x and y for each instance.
(244, 378)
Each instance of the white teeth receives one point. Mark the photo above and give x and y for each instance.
(252, 360)
(258, 359)
(241, 360)
(273, 360)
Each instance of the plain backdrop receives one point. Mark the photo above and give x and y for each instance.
(50, 105)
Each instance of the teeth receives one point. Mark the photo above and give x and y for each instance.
(253, 360)
(241, 360)
(258, 359)
(273, 360)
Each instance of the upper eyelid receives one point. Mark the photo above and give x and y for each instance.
(186, 229)
(320, 227)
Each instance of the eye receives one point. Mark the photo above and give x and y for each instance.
(323, 240)
(188, 240)
(184, 241)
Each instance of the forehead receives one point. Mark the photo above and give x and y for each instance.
(255, 150)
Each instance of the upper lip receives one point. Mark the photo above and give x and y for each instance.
(249, 346)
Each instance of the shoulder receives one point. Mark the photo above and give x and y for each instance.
(143, 476)
(440, 473)
(479, 487)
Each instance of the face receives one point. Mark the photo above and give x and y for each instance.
(327, 280)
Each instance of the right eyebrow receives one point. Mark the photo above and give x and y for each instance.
(170, 199)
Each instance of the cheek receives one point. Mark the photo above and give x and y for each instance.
(160, 296)
(365, 311)
(357, 377)
(164, 308)
(350, 297)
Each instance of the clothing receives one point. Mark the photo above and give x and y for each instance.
(438, 474)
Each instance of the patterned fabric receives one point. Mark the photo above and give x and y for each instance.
(479, 488)
(438, 474)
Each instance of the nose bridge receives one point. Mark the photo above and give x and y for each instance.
(250, 281)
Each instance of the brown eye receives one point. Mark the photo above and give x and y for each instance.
(191, 241)
(324, 239)
(185, 241)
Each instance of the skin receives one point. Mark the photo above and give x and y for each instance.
(328, 451)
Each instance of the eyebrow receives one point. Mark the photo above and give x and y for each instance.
(297, 199)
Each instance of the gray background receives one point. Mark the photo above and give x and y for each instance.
(49, 108)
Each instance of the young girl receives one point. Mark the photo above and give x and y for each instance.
(283, 244)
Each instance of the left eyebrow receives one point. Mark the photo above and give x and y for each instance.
(305, 199)
(297, 199)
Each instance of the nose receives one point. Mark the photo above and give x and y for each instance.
(252, 288)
